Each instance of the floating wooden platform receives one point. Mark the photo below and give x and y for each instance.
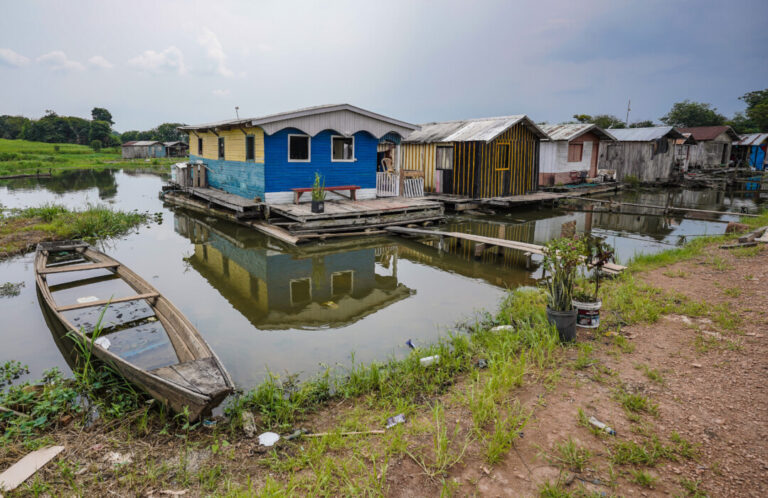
(487, 242)
(461, 203)
(240, 205)
(295, 223)
(348, 215)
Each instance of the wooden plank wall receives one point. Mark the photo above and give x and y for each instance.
(478, 166)
(420, 157)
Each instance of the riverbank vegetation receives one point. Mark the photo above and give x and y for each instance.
(505, 409)
(22, 229)
(22, 157)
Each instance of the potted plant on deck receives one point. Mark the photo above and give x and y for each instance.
(318, 194)
(562, 258)
(596, 254)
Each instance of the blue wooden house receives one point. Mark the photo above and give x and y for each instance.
(264, 158)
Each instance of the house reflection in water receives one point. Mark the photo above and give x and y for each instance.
(318, 287)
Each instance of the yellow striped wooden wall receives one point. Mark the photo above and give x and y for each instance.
(505, 166)
(420, 157)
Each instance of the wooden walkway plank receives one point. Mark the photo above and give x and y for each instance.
(89, 266)
(490, 241)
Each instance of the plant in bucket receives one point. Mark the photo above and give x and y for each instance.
(318, 194)
(596, 254)
(562, 258)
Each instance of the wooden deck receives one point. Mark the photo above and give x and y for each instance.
(347, 215)
(461, 203)
(487, 242)
(225, 199)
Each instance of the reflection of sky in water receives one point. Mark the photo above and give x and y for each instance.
(261, 307)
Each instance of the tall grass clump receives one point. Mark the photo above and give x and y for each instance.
(93, 222)
(405, 382)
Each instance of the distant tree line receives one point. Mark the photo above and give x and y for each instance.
(96, 132)
(687, 114)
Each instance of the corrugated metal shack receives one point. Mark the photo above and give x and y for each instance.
(486, 157)
(571, 152)
(176, 149)
(751, 151)
(713, 148)
(266, 157)
(646, 154)
(143, 149)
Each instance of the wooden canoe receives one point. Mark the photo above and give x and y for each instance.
(188, 374)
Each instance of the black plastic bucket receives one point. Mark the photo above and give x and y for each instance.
(565, 322)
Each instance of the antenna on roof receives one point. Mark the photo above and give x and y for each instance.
(237, 111)
(629, 101)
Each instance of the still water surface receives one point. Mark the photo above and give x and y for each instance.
(265, 307)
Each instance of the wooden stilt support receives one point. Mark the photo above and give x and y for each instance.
(479, 248)
(528, 260)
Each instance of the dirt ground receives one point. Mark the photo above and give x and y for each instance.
(706, 376)
(712, 393)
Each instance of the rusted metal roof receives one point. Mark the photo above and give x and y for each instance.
(570, 131)
(752, 139)
(471, 130)
(129, 143)
(644, 134)
(686, 140)
(709, 132)
(343, 118)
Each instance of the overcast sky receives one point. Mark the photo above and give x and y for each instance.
(194, 61)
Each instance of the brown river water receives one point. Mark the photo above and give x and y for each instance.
(265, 307)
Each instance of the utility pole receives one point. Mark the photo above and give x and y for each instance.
(629, 102)
(237, 111)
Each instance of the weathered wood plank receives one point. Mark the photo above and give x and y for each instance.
(89, 266)
(24, 468)
(103, 302)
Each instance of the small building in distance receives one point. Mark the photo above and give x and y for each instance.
(264, 158)
(713, 145)
(683, 148)
(176, 149)
(485, 157)
(643, 154)
(571, 152)
(143, 149)
(750, 151)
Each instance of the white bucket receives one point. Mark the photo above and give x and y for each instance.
(588, 314)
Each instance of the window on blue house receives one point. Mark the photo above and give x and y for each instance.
(298, 148)
(250, 148)
(342, 148)
(221, 147)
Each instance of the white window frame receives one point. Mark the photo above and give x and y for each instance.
(309, 148)
(351, 281)
(353, 150)
(292, 281)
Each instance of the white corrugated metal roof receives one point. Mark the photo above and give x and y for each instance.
(573, 130)
(752, 139)
(338, 115)
(143, 143)
(471, 130)
(644, 134)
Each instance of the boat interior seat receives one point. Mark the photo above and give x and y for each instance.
(201, 376)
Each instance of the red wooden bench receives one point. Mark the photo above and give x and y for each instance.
(298, 192)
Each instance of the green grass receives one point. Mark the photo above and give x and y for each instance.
(24, 157)
(55, 222)
(693, 488)
(648, 454)
(637, 403)
(642, 478)
(652, 373)
(571, 455)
